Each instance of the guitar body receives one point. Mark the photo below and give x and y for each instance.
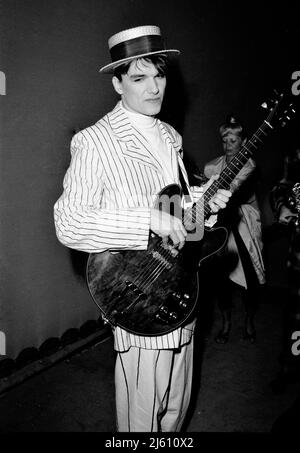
(151, 292)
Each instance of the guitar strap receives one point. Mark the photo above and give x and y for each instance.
(184, 186)
(192, 219)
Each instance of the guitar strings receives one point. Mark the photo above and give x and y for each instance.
(237, 162)
(156, 270)
(153, 270)
(154, 275)
(151, 265)
(239, 158)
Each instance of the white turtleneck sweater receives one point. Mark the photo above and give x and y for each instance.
(148, 126)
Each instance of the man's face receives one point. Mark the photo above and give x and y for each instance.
(142, 89)
(232, 143)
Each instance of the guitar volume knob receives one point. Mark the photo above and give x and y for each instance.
(183, 304)
(162, 315)
(173, 316)
(164, 310)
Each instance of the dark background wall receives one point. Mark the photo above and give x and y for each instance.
(233, 54)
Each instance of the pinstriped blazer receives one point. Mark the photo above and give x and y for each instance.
(109, 188)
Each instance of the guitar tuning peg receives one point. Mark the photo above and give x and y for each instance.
(264, 105)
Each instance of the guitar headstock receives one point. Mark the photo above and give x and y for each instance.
(280, 107)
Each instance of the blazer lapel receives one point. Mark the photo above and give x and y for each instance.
(133, 144)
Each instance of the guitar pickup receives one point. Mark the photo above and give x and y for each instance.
(132, 286)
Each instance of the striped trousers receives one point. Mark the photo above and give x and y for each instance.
(153, 388)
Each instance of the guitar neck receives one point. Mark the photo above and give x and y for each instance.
(201, 210)
(235, 165)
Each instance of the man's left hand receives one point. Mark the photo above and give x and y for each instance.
(220, 199)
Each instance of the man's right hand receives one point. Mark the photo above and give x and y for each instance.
(167, 226)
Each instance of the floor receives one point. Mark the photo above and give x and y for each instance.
(232, 384)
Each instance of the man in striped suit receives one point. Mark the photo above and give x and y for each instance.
(118, 167)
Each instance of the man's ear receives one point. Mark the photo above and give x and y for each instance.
(117, 85)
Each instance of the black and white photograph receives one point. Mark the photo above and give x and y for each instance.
(150, 219)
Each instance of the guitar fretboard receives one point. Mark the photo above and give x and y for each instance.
(201, 210)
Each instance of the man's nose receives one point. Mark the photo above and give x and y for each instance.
(153, 86)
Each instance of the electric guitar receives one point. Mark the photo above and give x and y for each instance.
(154, 291)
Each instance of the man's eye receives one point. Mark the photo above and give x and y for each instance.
(137, 79)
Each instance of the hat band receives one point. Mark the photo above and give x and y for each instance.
(136, 46)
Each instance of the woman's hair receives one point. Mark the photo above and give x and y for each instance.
(232, 124)
(159, 61)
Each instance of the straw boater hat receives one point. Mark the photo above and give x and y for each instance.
(134, 43)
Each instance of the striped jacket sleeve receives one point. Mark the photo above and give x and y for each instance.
(80, 220)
